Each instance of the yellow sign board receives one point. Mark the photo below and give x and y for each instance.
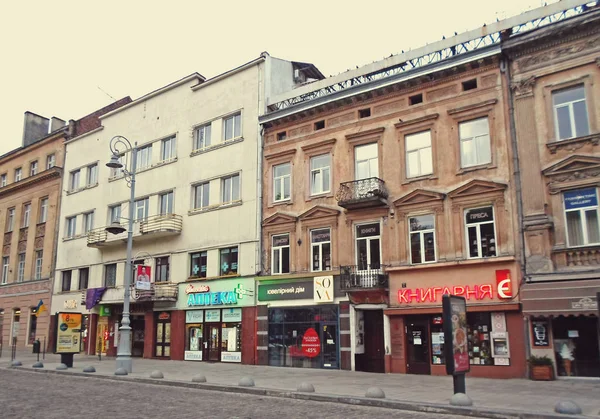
(68, 333)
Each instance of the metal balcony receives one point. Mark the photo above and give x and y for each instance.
(363, 278)
(157, 292)
(150, 227)
(363, 193)
(163, 224)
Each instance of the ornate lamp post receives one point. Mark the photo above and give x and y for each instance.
(119, 145)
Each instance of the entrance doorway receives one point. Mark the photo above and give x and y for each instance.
(329, 347)
(212, 342)
(373, 357)
(138, 325)
(163, 335)
(417, 345)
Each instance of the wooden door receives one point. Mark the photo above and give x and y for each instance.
(417, 346)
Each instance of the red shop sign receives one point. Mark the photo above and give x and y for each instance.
(311, 344)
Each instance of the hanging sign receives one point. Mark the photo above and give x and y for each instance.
(311, 344)
(142, 277)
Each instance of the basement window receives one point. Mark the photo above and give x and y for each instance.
(469, 85)
(281, 135)
(364, 113)
(416, 99)
(319, 125)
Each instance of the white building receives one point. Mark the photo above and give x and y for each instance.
(197, 215)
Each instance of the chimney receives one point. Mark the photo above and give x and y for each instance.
(56, 123)
(34, 128)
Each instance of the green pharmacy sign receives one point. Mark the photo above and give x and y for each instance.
(202, 295)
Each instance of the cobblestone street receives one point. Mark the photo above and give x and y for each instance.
(52, 396)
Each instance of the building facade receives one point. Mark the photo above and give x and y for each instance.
(555, 88)
(30, 184)
(196, 234)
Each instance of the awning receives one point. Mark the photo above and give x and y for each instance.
(558, 298)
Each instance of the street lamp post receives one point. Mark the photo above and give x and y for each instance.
(124, 347)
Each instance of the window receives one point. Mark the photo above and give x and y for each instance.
(320, 242)
(110, 275)
(422, 239)
(114, 213)
(5, 267)
(416, 99)
(201, 195)
(21, 270)
(33, 168)
(50, 161)
(18, 174)
(144, 157)
(141, 209)
(419, 161)
(162, 269)
(32, 326)
(232, 127)
(3, 180)
(88, 222)
(26, 215)
(198, 264)
(474, 142)
(570, 113)
(581, 213)
(71, 226)
(364, 113)
(43, 210)
(168, 149)
(481, 234)
(166, 203)
(281, 136)
(282, 182)
(74, 180)
(228, 261)
(366, 161)
(202, 137)
(320, 174)
(65, 285)
(319, 125)
(230, 187)
(469, 85)
(84, 277)
(39, 262)
(368, 250)
(10, 219)
(92, 175)
(280, 260)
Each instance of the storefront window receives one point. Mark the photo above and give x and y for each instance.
(194, 337)
(437, 341)
(479, 328)
(231, 334)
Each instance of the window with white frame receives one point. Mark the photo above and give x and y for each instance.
(110, 275)
(202, 137)
(320, 170)
(21, 268)
(422, 238)
(280, 254)
(10, 219)
(201, 195)
(320, 243)
(141, 209)
(230, 187)
(481, 232)
(165, 202)
(18, 174)
(5, 268)
(581, 213)
(92, 175)
(50, 161)
(366, 161)
(570, 113)
(43, 210)
(71, 226)
(26, 215)
(168, 149)
(74, 180)
(33, 168)
(114, 213)
(368, 246)
(39, 262)
(232, 127)
(419, 158)
(282, 182)
(3, 180)
(144, 157)
(88, 222)
(475, 148)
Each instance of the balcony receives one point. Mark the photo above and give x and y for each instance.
(149, 228)
(157, 292)
(363, 278)
(363, 193)
(576, 258)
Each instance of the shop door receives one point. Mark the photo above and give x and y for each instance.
(212, 342)
(102, 338)
(163, 335)
(372, 360)
(417, 344)
(329, 345)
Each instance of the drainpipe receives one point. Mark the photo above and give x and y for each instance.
(263, 94)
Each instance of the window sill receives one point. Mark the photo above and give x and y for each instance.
(31, 281)
(211, 278)
(433, 265)
(286, 202)
(79, 236)
(486, 166)
(215, 207)
(419, 179)
(212, 147)
(328, 194)
(145, 169)
(573, 144)
(83, 188)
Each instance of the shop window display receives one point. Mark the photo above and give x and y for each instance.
(479, 329)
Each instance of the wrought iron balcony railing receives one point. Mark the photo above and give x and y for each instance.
(363, 277)
(370, 192)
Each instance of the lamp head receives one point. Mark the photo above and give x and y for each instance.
(115, 228)
(114, 162)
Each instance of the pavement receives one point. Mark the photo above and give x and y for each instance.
(491, 397)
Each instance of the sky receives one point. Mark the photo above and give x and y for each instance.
(68, 58)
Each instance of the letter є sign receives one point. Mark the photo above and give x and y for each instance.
(504, 284)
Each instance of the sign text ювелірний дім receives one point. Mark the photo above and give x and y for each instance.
(287, 290)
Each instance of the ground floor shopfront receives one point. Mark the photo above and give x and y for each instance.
(303, 323)
(495, 338)
(562, 319)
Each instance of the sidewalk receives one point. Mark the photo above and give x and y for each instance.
(514, 394)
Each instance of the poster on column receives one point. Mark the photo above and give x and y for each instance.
(68, 333)
(359, 336)
(455, 334)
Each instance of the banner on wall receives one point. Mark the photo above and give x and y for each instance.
(142, 277)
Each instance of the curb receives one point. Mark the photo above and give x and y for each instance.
(331, 398)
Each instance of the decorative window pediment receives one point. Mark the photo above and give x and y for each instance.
(279, 218)
(318, 211)
(420, 197)
(477, 188)
(572, 172)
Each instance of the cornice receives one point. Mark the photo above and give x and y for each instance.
(55, 172)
